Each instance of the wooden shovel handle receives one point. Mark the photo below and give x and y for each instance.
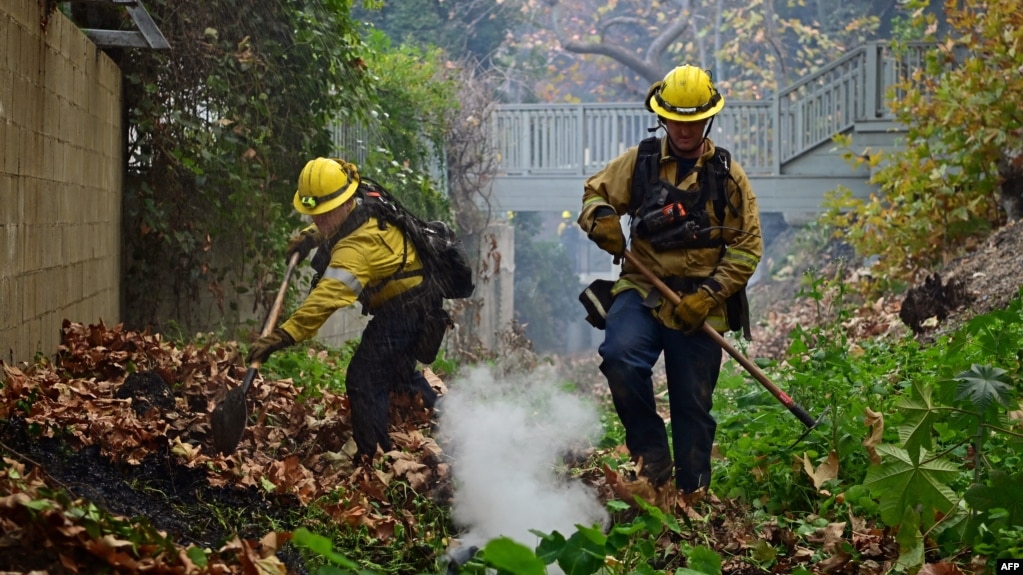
(271, 321)
(271, 318)
(275, 309)
(751, 367)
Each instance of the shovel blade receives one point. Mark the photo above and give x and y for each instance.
(231, 415)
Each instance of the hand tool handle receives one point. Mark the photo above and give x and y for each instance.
(275, 309)
(751, 367)
(271, 321)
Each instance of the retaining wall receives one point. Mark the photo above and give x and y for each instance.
(61, 171)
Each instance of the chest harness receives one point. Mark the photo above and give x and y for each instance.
(671, 218)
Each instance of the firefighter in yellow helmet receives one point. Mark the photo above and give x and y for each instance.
(693, 221)
(566, 222)
(359, 258)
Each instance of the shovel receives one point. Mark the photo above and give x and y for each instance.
(751, 367)
(231, 414)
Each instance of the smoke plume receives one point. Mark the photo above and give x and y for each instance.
(505, 435)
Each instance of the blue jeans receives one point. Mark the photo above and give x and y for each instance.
(633, 340)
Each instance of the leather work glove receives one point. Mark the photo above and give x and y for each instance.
(606, 232)
(694, 309)
(301, 243)
(264, 346)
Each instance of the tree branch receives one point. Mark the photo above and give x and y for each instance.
(664, 39)
(650, 72)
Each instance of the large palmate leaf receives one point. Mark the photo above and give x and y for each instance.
(582, 553)
(915, 431)
(984, 386)
(901, 482)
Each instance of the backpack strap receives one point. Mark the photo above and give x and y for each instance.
(375, 204)
(645, 173)
(321, 259)
(717, 175)
(714, 177)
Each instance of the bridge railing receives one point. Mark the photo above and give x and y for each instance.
(578, 139)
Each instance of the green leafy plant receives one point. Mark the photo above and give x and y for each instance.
(312, 366)
(222, 125)
(825, 377)
(920, 487)
(627, 547)
(961, 110)
(337, 563)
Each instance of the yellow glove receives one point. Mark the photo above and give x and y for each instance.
(606, 232)
(302, 243)
(693, 310)
(262, 348)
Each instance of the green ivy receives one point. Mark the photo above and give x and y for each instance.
(220, 126)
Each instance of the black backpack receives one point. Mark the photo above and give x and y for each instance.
(446, 268)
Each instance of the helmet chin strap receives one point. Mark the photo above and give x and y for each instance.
(710, 124)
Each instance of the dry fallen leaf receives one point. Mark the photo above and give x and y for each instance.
(875, 421)
(824, 472)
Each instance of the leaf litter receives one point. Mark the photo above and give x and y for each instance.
(144, 451)
(72, 424)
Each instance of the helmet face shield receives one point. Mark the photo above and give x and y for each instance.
(686, 94)
(323, 185)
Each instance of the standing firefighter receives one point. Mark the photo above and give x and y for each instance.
(361, 257)
(694, 224)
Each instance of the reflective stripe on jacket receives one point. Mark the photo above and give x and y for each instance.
(362, 259)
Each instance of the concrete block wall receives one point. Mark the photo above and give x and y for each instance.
(61, 172)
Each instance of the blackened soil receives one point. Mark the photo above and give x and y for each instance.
(146, 389)
(171, 498)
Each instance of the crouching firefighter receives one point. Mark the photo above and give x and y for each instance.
(361, 257)
(694, 223)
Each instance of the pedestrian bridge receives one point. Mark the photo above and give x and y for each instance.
(546, 151)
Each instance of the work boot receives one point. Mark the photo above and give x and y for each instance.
(655, 468)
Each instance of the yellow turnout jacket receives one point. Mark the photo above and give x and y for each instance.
(731, 267)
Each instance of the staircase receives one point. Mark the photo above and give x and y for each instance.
(546, 151)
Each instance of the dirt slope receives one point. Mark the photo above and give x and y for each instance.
(984, 279)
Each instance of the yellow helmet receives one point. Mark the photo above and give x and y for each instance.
(686, 94)
(566, 214)
(325, 184)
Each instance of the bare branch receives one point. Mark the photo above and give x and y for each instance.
(664, 39)
(648, 67)
(649, 71)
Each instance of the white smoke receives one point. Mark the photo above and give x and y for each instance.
(505, 435)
